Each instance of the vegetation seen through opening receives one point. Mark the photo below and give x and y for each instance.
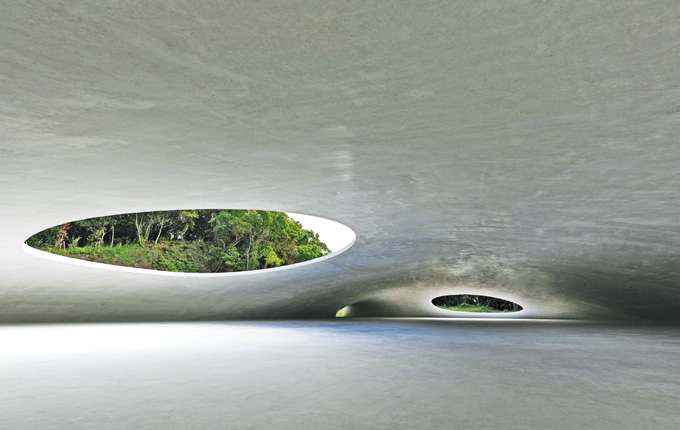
(198, 241)
(471, 303)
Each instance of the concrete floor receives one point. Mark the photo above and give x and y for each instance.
(340, 374)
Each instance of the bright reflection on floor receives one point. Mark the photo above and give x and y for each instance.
(88, 338)
(64, 340)
(306, 374)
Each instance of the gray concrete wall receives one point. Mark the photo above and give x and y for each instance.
(517, 149)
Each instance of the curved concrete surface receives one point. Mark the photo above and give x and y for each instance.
(520, 150)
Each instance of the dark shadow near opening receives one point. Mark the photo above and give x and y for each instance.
(473, 303)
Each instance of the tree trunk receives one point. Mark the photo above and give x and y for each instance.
(140, 230)
(160, 230)
(147, 232)
(250, 243)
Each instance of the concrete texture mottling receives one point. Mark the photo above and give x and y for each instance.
(519, 149)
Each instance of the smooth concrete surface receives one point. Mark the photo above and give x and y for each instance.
(520, 149)
(361, 374)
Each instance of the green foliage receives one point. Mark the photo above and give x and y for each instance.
(271, 259)
(186, 241)
(250, 240)
(473, 303)
(470, 308)
(308, 252)
(45, 238)
(171, 257)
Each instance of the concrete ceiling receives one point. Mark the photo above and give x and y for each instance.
(521, 149)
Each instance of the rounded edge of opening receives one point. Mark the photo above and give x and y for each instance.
(473, 314)
(94, 265)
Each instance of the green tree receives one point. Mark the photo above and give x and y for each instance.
(217, 240)
(96, 228)
(45, 238)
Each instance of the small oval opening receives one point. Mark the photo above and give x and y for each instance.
(197, 241)
(472, 303)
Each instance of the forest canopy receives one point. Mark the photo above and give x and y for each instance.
(202, 241)
(473, 303)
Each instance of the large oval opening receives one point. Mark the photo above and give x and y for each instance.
(197, 240)
(473, 303)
